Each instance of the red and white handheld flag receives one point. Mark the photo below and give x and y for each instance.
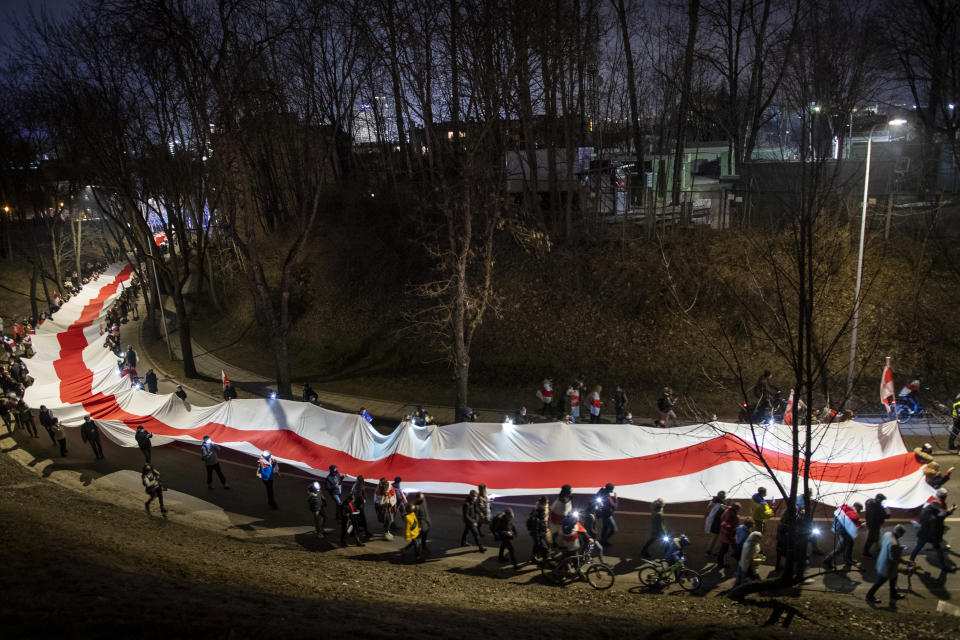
(788, 414)
(223, 379)
(887, 396)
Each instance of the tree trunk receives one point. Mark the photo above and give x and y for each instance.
(634, 108)
(33, 291)
(183, 330)
(694, 16)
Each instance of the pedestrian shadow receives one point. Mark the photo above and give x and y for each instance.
(937, 586)
(311, 542)
(85, 476)
(781, 613)
(840, 582)
(491, 568)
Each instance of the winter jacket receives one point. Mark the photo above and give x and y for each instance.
(728, 526)
(470, 512)
(316, 501)
(657, 528)
(57, 430)
(334, 483)
(143, 438)
(889, 556)
(209, 451)
(760, 511)
(750, 554)
(89, 432)
(875, 513)
(423, 515)
(931, 521)
(151, 480)
(411, 528)
(711, 520)
(151, 381)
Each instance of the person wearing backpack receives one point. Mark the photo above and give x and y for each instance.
(505, 531)
(411, 532)
(267, 470)
(606, 505)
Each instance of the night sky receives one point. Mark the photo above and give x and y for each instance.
(11, 10)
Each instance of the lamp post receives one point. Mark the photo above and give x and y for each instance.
(863, 231)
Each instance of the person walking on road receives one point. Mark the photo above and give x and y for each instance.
(411, 532)
(846, 524)
(46, 421)
(620, 403)
(229, 393)
(143, 437)
(385, 502)
(729, 521)
(150, 477)
(423, 517)
(210, 454)
(888, 565)
(505, 530)
(90, 433)
(358, 496)
(876, 513)
(318, 507)
(471, 519)
(267, 470)
(150, 381)
(657, 529)
(606, 502)
(60, 435)
(932, 519)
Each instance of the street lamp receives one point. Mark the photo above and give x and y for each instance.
(863, 230)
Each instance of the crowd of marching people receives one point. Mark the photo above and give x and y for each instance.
(739, 534)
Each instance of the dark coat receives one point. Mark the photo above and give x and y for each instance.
(151, 381)
(931, 522)
(875, 513)
(143, 438)
(471, 513)
(89, 431)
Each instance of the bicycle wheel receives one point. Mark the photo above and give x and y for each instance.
(688, 579)
(600, 576)
(649, 576)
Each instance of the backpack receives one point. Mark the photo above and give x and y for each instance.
(532, 523)
(498, 524)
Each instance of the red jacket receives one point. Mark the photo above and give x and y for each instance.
(729, 522)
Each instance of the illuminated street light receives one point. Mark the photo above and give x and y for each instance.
(863, 230)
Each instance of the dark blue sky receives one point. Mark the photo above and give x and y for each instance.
(11, 10)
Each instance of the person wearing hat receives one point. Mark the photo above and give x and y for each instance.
(875, 513)
(318, 507)
(888, 561)
(924, 454)
(210, 454)
(90, 433)
(267, 470)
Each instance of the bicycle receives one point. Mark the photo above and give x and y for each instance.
(938, 412)
(660, 574)
(561, 568)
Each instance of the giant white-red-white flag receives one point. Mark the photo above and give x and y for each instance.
(788, 414)
(887, 396)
